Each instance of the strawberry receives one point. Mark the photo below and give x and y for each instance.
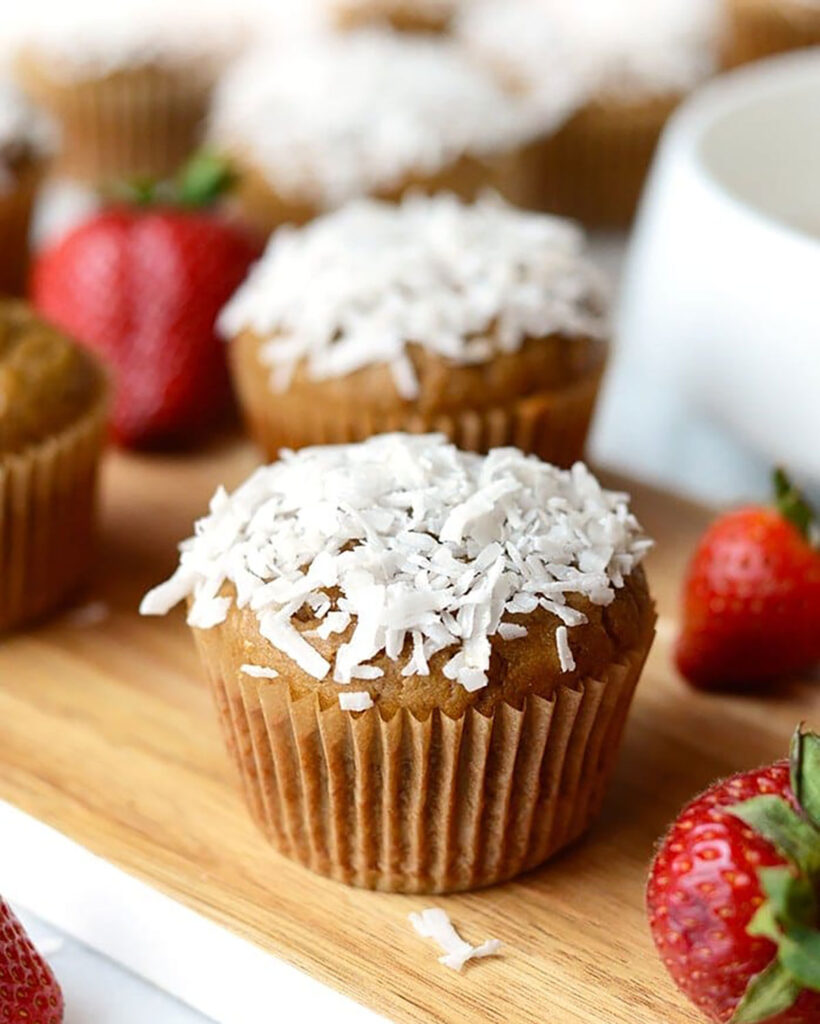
(734, 894)
(29, 993)
(752, 596)
(142, 285)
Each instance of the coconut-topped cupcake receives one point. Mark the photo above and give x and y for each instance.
(600, 78)
(480, 320)
(407, 580)
(362, 114)
(129, 86)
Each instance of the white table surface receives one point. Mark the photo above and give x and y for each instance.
(98, 991)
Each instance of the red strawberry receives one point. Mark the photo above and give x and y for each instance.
(734, 894)
(752, 596)
(29, 993)
(142, 286)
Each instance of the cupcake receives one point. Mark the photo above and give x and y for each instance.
(52, 423)
(480, 321)
(24, 146)
(130, 88)
(364, 114)
(422, 658)
(759, 28)
(600, 80)
(402, 15)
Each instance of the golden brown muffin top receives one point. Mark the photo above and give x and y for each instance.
(406, 572)
(444, 387)
(522, 667)
(47, 381)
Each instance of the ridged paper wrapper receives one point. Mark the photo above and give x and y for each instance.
(761, 28)
(593, 167)
(47, 519)
(144, 121)
(551, 424)
(267, 208)
(421, 805)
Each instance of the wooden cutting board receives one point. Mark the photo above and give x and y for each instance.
(107, 734)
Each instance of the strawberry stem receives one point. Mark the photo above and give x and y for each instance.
(201, 182)
(792, 504)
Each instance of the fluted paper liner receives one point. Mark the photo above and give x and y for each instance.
(592, 168)
(141, 121)
(47, 520)
(760, 28)
(264, 206)
(434, 805)
(551, 424)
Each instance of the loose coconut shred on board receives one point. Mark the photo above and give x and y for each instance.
(420, 544)
(435, 924)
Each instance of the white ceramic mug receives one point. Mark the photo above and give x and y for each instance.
(720, 309)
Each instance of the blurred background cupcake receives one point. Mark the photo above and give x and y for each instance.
(25, 143)
(759, 28)
(482, 322)
(129, 87)
(365, 114)
(601, 79)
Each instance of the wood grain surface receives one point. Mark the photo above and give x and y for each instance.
(107, 733)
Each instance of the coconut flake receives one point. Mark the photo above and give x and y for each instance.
(564, 653)
(434, 923)
(259, 671)
(413, 546)
(357, 700)
(360, 286)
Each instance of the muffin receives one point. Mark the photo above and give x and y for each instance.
(422, 658)
(52, 424)
(600, 80)
(479, 321)
(363, 114)
(759, 28)
(24, 147)
(402, 15)
(129, 89)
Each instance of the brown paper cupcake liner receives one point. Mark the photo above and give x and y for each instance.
(47, 521)
(16, 204)
(592, 168)
(551, 424)
(144, 121)
(262, 205)
(761, 28)
(435, 805)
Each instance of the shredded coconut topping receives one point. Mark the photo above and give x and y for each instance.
(259, 671)
(358, 286)
(345, 116)
(564, 54)
(358, 700)
(434, 923)
(426, 548)
(88, 38)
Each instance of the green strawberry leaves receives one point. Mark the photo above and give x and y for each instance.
(791, 914)
(805, 774)
(792, 504)
(772, 818)
(768, 994)
(205, 179)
